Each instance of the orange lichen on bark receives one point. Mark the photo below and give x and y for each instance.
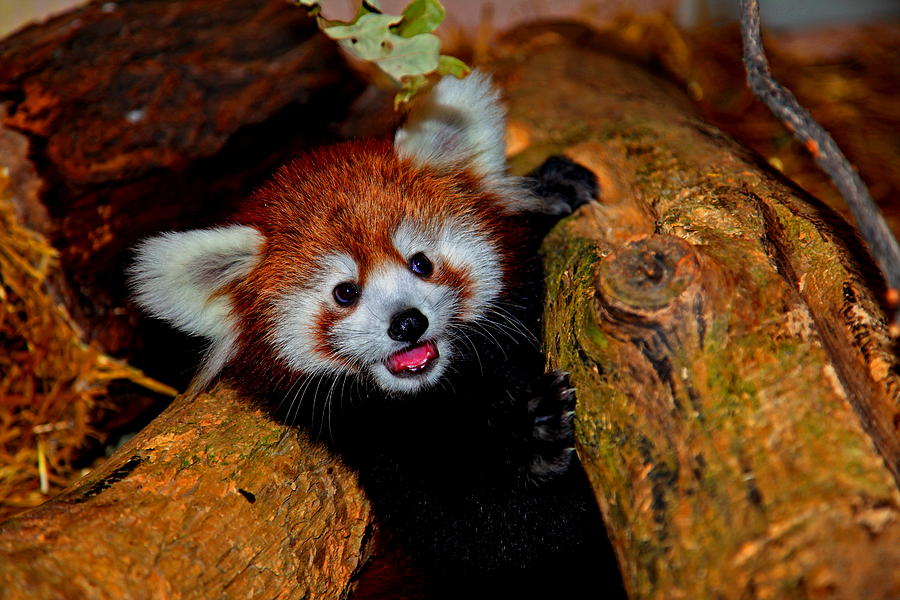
(214, 499)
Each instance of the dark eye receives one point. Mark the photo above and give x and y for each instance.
(346, 293)
(420, 265)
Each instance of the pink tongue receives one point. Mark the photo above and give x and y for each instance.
(413, 359)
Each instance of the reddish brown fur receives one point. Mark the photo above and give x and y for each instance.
(350, 198)
(456, 278)
(325, 322)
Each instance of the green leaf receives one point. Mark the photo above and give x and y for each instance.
(411, 86)
(450, 65)
(410, 56)
(366, 8)
(366, 37)
(370, 38)
(420, 16)
(400, 45)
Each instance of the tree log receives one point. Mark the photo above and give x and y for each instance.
(737, 389)
(738, 392)
(214, 499)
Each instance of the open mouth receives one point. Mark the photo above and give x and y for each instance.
(412, 361)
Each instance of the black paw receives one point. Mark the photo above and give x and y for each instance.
(563, 184)
(551, 415)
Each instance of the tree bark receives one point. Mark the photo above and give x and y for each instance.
(737, 389)
(214, 499)
(738, 392)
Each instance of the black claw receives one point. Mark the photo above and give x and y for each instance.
(552, 435)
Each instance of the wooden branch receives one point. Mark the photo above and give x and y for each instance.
(738, 391)
(212, 500)
(872, 226)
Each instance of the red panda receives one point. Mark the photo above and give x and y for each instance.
(402, 276)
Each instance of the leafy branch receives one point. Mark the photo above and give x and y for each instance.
(402, 46)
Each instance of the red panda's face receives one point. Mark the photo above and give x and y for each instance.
(396, 319)
(369, 259)
(381, 277)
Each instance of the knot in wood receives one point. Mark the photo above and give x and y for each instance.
(647, 274)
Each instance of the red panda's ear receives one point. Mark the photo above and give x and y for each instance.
(460, 123)
(179, 277)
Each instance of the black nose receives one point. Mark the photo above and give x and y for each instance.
(407, 326)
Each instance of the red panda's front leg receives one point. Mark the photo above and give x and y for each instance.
(551, 415)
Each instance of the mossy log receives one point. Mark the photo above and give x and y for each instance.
(738, 391)
(213, 499)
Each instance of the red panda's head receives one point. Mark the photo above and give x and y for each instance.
(365, 258)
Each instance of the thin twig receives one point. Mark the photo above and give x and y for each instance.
(820, 144)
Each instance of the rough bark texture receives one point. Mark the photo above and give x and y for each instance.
(212, 500)
(737, 388)
(738, 391)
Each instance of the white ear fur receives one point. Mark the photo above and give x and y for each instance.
(460, 122)
(177, 276)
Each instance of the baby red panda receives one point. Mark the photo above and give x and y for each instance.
(387, 295)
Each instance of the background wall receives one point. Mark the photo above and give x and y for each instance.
(789, 14)
(15, 13)
(470, 14)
